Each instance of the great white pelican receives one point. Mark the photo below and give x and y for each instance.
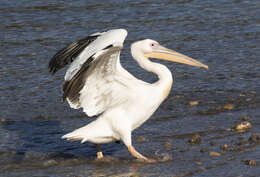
(96, 82)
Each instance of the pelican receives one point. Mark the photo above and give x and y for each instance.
(96, 82)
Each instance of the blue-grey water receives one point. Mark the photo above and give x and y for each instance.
(223, 34)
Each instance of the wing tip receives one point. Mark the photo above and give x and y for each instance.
(123, 32)
(69, 53)
(52, 69)
(120, 34)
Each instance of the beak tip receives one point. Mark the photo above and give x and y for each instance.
(205, 66)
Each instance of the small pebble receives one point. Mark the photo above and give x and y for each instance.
(198, 163)
(250, 162)
(224, 147)
(229, 106)
(51, 162)
(214, 154)
(167, 144)
(248, 99)
(254, 138)
(4, 121)
(195, 139)
(140, 139)
(231, 158)
(245, 118)
(223, 153)
(252, 92)
(193, 103)
(163, 156)
(243, 126)
(203, 150)
(212, 143)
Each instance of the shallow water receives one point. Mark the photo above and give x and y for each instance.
(223, 34)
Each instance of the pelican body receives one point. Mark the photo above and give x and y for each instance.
(96, 82)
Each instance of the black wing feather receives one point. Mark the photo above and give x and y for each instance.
(69, 53)
(72, 87)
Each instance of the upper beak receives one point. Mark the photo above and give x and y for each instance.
(170, 55)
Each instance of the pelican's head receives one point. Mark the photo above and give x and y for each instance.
(152, 49)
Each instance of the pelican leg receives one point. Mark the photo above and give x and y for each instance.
(139, 156)
(125, 133)
(136, 154)
(99, 152)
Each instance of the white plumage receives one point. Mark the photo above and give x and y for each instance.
(96, 82)
(112, 37)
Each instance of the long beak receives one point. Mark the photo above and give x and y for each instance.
(170, 55)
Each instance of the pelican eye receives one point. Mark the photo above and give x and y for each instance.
(153, 45)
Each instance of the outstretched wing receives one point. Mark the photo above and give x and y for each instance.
(69, 53)
(94, 81)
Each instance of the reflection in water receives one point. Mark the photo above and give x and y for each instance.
(127, 168)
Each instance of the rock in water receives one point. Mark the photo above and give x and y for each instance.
(50, 162)
(203, 150)
(195, 139)
(229, 106)
(193, 103)
(140, 139)
(214, 154)
(243, 126)
(254, 138)
(250, 162)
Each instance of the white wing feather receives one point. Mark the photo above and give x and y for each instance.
(116, 36)
(105, 84)
(103, 88)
